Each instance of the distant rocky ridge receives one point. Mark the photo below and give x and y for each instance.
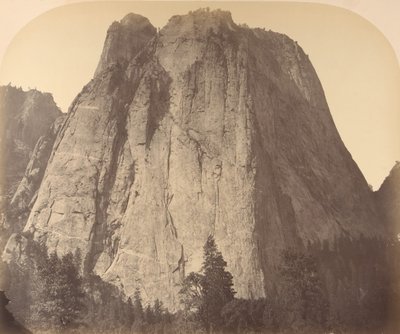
(29, 122)
(204, 127)
(25, 117)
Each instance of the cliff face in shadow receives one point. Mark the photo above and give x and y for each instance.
(204, 127)
(27, 117)
(388, 199)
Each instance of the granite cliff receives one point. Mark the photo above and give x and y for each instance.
(205, 127)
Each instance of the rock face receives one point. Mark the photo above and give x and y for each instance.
(25, 117)
(204, 127)
(25, 195)
(388, 198)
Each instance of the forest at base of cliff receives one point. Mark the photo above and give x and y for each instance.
(53, 295)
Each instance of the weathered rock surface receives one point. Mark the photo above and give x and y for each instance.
(205, 127)
(388, 199)
(25, 195)
(25, 117)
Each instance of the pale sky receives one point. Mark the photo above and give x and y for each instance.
(59, 50)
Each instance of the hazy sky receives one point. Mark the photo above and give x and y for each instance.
(58, 52)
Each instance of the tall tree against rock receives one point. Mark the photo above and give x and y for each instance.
(217, 285)
(139, 312)
(137, 304)
(301, 292)
(158, 310)
(149, 315)
(205, 294)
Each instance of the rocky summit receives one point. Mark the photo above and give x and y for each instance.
(204, 127)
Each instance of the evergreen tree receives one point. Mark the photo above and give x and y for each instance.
(70, 292)
(301, 292)
(59, 293)
(158, 311)
(137, 305)
(129, 313)
(139, 314)
(149, 315)
(206, 294)
(106, 308)
(217, 285)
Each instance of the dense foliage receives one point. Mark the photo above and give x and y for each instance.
(50, 293)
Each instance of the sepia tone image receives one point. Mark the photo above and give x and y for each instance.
(199, 168)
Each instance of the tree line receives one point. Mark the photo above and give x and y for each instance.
(298, 303)
(50, 293)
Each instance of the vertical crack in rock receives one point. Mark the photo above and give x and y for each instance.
(217, 176)
(117, 122)
(159, 102)
(169, 222)
(181, 265)
(169, 153)
(200, 154)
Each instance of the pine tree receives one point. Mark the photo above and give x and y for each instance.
(301, 292)
(137, 305)
(129, 313)
(149, 315)
(139, 314)
(59, 294)
(205, 294)
(158, 311)
(217, 285)
(70, 292)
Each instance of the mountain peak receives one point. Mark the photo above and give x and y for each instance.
(216, 14)
(206, 14)
(135, 21)
(201, 20)
(124, 40)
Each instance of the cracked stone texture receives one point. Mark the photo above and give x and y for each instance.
(204, 127)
